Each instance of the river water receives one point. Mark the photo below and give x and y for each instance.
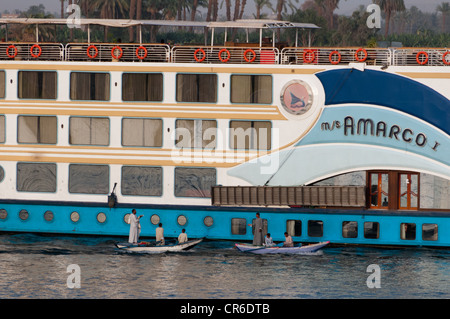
(35, 266)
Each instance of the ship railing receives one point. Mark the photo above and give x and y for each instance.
(225, 54)
(418, 56)
(335, 56)
(126, 52)
(31, 51)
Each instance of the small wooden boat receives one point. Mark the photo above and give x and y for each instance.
(280, 250)
(154, 247)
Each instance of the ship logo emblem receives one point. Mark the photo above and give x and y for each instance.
(296, 97)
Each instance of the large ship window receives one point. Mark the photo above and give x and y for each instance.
(196, 134)
(196, 87)
(315, 228)
(371, 230)
(194, 182)
(238, 226)
(36, 177)
(142, 132)
(36, 129)
(89, 86)
(349, 229)
(430, 232)
(408, 231)
(2, 129)
(2, 84)
(251, 89)
(141, 180)
(294, 227)
(142, 86)
(89, 130)
(88, 179)
(37, 85)
(250, 135)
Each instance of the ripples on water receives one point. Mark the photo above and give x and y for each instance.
(34, 266)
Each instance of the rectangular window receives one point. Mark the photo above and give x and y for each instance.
(250, 135)
(408, 231)
(194, 182)
(379, 190)
(2, 84)
(430, 232)
(238, 226)
(371, 230)
(251, 89)
(142, 132)
(36, 177)
(88, 179)
(350, 229)
(196, 87)
(196, 133)
(142, 86)
(37, 85)
(315, 228)
(2, 129)
(141, 180)
(89, 86)
(36, 129)
(89, 130)
(294, 227)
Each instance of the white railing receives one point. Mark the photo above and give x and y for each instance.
(418, 56)
(225, 54)
(32, 51)
(117, 52)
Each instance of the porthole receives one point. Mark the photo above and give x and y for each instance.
(155, 219)
(23, 214)
(3, 214)
(181, 220)
(75, 217)
(126, 218)
(101, 217)
(208, 221)
(48, 216)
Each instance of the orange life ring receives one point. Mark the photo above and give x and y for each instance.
(117, 57)
(141, 57)
(203, 55)
(444, 58)
(309, 56)
(252, 52)
(419, 54)
(220, 55)
(357, 55)
(88, 51)
(11, 56)
(39, 50)
(330, 57)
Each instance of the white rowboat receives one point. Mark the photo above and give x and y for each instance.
(157, 249)
(280, 250)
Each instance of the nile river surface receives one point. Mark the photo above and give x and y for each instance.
(34, 266)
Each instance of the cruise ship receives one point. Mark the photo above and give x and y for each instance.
(348, 145)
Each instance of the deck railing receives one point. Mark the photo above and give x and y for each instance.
(241, 54)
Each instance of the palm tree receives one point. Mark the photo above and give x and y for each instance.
(329, 6)
(110, 9)
(260, 4)
(444, 8)
(390, 7)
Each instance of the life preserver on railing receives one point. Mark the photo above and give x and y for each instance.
(332, 54)
(141, 57)
(34, 46)
(224, 59)
(444, 58)
(419, 55)
(88, 51)
(203, 55)
(309, 56)
(11, 56)
(117, 57)
(246, 58)
(363, 58)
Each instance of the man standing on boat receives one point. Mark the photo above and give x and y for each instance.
(258, 230)
(134, 228)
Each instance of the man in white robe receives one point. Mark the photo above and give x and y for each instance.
(134, 228)
(258, 230)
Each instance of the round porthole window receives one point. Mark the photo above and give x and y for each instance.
(126, 218)
(3, 214)
(181, 220)
(208, 221)
(101, 217)
(155, 219)
(296, 97)
(48, 216)
(75, 217)
(23, 214)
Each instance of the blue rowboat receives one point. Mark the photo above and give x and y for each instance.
(280, 250)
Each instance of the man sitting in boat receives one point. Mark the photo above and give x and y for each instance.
(182, 238)
(288, 242)
(268, 241)
(160, 234)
